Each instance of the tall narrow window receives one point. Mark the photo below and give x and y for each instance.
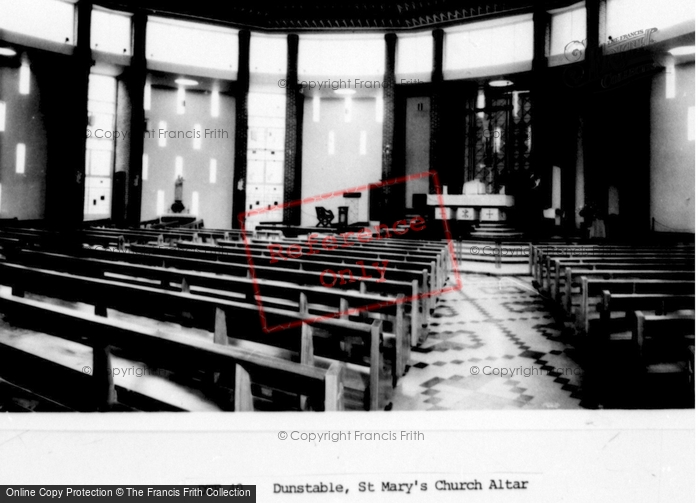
(480, 103)
(144, 171)
(331, 143)
(212, 170)
(363, 142)
(379, 109)
(480, 99)
(24, 78)
(179, 167)
(215, 103)
(160, 203)
(147, 96)
(497, 139)
(21, 158)
(316, 106)
(195, 203)
(197, 137)
(516, 103)
(99, 151)
(162, 134)
(2, 116)
(265, 176)
(671, 81)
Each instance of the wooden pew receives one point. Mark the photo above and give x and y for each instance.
(433, 247)
(550, 262)
(198, 235)
(322, 386)
(167, 235)
(108, 236)
(399, 271)
(115, 238)
(573, 277)
(222, 317)
(319, 261)
(9, 244)
(412, 248)
(556, 275)
(406, 283)
(423, 249)
(272, 294)
(609, 328)
(664, 345)
(44, 239)
(592, 288)
(430, 249)
(553, 284)
(396, 258)
(421, 304)
(541, 256)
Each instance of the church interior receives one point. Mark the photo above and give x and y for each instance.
(368, 206)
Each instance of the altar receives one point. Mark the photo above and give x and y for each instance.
(473, 204)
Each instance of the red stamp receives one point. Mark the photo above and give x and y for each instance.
(337, 257)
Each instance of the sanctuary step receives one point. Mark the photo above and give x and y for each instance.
(481, 256)
(495, 230)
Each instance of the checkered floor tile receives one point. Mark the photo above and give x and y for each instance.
(491, 345)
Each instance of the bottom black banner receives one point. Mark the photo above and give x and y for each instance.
(132, 494)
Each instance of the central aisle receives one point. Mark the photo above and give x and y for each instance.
(492, 345)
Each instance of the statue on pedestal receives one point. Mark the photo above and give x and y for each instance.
(177, 206)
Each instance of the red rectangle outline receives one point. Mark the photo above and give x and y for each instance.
(339, 193)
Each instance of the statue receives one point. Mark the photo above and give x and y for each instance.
(177, 206)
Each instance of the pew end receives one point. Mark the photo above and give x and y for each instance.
(664, 349)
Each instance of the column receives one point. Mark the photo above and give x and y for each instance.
(293, 134)
(136, 82)
(241, 140)
(595, 188)
(539, 160)
(65, 184)
(393, 201)
(435, 104)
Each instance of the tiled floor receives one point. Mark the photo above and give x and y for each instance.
(492, 345)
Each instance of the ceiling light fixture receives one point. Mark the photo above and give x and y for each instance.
(501, 83)
(186, 82)
(685, 50)
(345, 92)
(6, 51)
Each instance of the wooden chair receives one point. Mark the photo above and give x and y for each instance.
(324, 216)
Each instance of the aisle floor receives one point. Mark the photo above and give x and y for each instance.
(492, 345)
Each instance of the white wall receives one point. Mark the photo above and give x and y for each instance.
(347, 167)
(673, 152)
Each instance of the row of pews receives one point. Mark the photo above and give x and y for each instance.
(632, 307)
(207, 320)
